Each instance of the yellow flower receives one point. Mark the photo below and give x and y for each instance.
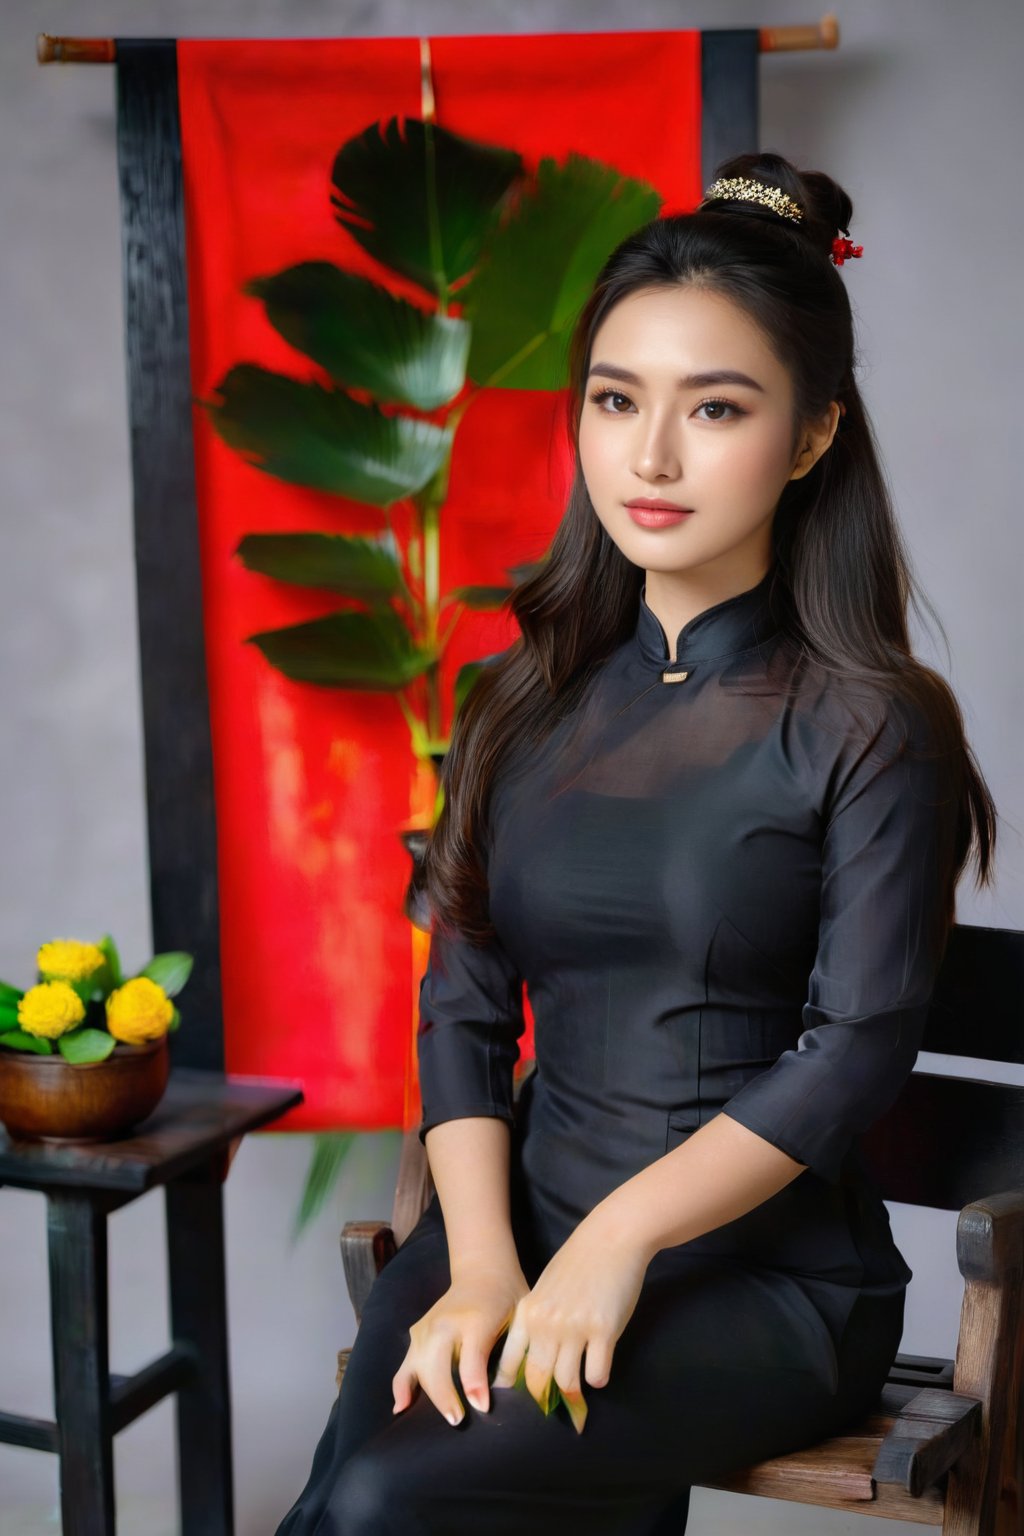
(50, 1009)
(69, 960)
(139, 1011)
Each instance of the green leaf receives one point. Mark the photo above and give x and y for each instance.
(371, 651)
(21, 1041)
(9, 995)
(421, 198)
(170, 970)
(479, 597)
(322, 438)
(83, 987)
(175, 1021)
(362, 568)
(576, 1407)
(84, 1045)
(541, 266)
(552, 1397)
(364, 336)
(9, 1017)
(464, 680)
(109, 948)
(526, 569)
(329, 1153)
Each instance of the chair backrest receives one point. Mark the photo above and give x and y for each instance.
(950, 1140)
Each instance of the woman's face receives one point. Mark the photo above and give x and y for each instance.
(686, 403)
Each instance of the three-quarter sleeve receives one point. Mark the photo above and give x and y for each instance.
(889, 830)
(470, 1020)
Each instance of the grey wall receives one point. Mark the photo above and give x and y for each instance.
(918, 114)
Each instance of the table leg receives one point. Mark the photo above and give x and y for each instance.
(79, 1318)
(198, 1296)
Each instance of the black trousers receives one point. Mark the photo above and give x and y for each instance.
(722, 1363)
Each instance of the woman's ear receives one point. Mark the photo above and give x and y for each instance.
(814, 439)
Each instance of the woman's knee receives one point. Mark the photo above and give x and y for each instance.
(367, 1500)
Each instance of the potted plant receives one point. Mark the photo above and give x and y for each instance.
(501, 257)
(462, 221)
(84, 1051)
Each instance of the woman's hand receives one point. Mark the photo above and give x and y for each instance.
(461, 1326)
(582, 1300)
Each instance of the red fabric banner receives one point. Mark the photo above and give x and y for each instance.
(321, 968)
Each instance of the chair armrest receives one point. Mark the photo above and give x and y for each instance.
(990, 1237)
(989, 1357)
(366, 1246)
(933, 1431)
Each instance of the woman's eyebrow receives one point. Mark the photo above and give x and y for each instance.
(691, 381)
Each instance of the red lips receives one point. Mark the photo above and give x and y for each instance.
(656, 514)
(657, 506)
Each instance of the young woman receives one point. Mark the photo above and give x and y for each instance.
(713, 811)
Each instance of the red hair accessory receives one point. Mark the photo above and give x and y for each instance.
(842, 248)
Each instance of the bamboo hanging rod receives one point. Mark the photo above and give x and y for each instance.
(103, 50)
(75, 50)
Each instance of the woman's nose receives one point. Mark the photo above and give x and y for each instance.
(656, 455)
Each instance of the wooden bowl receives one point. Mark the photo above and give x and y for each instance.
(45, 1098)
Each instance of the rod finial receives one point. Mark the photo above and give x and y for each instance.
(819, 34)
(75, 50)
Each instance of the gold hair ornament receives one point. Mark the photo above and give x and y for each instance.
(745, 190)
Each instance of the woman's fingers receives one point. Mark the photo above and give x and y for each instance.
(540, 1367)
(567, 1377)
(512, 1352)
(567, 1368)
(599, 1362)
(437, 1377)
(547, 1363)
(403, 1384)
(472, 1361)
(430, 1365)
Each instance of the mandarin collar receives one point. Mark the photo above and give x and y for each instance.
(735, 624)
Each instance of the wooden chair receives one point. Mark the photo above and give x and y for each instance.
(944, 1444)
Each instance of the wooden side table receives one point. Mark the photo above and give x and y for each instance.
(186, 1145)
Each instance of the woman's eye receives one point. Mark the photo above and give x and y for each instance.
(600, 395)
(720, 405)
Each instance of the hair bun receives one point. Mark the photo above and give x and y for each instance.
(827, 208)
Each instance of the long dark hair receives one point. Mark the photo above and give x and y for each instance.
(841, 578)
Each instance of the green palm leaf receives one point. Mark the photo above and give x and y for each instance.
(464, 680)
(540, 268)
(347, 650)
(365, 337)
(329, 1152)
(359, 567)
(324, 439)
(480, 597)
(421, 200)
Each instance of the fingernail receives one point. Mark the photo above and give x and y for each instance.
(452, 1417)
(477, 1399)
